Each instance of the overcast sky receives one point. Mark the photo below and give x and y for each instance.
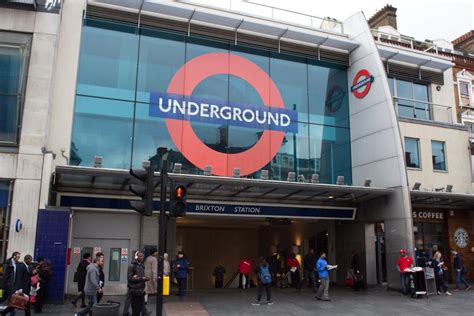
(422, 19)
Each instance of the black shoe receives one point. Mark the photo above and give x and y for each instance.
(74, 304)
(83, 305)
(326, 300)
(318, 298)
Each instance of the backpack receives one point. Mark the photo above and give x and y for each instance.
(265, 276)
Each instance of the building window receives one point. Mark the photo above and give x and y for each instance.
(14, 50)
(114, 267)
(438, 154)
(411, 98)
(5, 188)
(464, 88)
(412, 156)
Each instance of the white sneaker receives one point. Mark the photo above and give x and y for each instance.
(439, 293)
(448, 293)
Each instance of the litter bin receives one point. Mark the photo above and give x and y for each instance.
(106, 309)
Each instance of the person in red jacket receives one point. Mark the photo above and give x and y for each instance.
(245, 267)
(404, 262)
(294, 267)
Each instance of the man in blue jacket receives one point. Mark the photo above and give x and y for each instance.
(182, 267)
(322, 270)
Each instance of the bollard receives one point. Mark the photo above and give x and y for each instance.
(166, 285)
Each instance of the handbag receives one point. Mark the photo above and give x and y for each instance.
(75, 278)
(464, 269)
(19, 301)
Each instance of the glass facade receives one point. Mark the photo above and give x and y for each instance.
(122, 66)
(14, 49)
(412, 98)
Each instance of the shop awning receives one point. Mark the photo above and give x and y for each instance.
(446, 200)
(83, 181)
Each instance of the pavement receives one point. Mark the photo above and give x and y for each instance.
(344, 301)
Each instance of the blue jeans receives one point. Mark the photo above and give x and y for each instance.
(404, 279)
(460, 278)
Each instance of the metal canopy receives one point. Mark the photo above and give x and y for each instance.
(446, 200)
(114, 182)
(231, 20)
(419, 59)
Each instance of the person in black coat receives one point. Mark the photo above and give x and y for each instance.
(22, 282)
(80, 278)
(136, 284)
(9, 273)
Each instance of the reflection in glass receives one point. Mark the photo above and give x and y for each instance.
(412, 157)
(114, 264)
(438, 155)
(102, 128)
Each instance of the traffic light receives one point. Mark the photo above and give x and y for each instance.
(144, 190)
(178, 201)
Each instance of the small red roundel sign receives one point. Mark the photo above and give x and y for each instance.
(361, 83)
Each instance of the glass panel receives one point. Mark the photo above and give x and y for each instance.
(412, 157)
(438, 155)
(4, 195)
(10, 73)
(464, 88)
(404, 89)
(390, 85)
(114, 266)
(102, 128)
(422, 110)
(290, 75)
(108, 61)
(420, 92)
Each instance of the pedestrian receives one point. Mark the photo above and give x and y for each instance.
(80, 278)
(323, 274)
(294, 267)
(308, 270)
(151, 273)
(460, 270)
(9, 276)
(404, 262)
(437, 263)
(45, 272)
(278, 274)
(264, 280)
(182, 267)
(218, 274)
(92, 285)
(245, 268)
(136, 284)
(166, 265)
(22, 283)
(100, 294)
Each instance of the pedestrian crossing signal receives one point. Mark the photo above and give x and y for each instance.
(178, 201)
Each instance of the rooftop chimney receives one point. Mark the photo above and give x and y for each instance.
(383, 17)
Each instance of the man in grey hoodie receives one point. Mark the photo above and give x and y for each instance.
(92, 286)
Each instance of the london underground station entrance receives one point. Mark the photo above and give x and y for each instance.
(213, 241)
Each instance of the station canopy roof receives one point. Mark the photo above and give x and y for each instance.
(115, 182)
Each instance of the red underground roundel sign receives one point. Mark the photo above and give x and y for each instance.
(188, 77)
(361, 83)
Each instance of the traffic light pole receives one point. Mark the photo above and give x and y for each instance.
(161, 236)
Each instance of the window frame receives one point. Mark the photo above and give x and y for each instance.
(468, 87)
(445, 156)
(22, 42)
(418, 147)
(413, 100)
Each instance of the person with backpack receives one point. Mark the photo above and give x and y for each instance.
(264, 280)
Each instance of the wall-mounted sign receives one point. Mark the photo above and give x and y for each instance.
(361, 83)
(179, 109)
(429, 215)
(18, 225)
(77, 251)
(461, 237)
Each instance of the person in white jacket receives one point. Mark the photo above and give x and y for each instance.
(151, 272)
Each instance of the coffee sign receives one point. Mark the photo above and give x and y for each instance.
(430, 215)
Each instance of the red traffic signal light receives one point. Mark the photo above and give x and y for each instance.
(178, 201)
(179, 192)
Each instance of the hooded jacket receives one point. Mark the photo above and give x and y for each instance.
(92, 280)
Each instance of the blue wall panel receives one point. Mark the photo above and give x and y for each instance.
(51, 243)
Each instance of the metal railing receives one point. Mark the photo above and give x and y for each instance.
(422, 110)
(273, 13)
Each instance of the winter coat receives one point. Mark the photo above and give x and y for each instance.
(182, 270)
(81, 274)
(92, 285)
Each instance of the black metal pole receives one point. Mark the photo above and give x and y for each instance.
(161, 236)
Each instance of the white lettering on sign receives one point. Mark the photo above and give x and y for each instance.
(247, 210)
(428, 215)
(210, 208)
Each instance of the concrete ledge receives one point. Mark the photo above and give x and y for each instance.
(184, 309)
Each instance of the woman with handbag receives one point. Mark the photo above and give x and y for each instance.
(80, 278)
(460, 271)
(440, 269)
